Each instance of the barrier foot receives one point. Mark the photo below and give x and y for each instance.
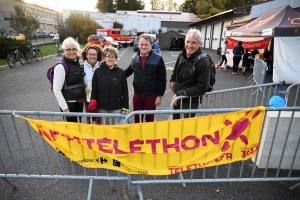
(9, 183)
(90, 189)
(294, 186)
(140, 193)
(180, 176)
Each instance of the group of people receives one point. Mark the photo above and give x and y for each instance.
(101, 86)
(239, 53)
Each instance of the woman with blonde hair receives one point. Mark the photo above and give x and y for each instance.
(92, 56)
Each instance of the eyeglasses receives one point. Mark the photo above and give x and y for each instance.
(69, 50)
(92, 55)
(111, 57)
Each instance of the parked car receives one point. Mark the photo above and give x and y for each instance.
(33, 36)
(55, 37)
(113, 42)
(18, 36)
(52, 34)
(136, 43)
(41, 35)
(102, 40)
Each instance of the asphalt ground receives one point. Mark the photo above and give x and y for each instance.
(26, 88)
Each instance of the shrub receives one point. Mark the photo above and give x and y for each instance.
(6, 43)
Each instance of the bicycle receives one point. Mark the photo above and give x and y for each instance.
(14, 56)
(59, 48)
(34, 53)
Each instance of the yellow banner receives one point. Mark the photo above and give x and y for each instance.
(158, 148)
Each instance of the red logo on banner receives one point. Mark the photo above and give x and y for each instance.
(260, 44)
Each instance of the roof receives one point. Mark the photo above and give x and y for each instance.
(238, 24)
(282, 21)
(170, 16)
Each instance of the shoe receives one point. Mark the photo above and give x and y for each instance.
(233, 73)
(225, 69)
(220, 68)
(244, 73)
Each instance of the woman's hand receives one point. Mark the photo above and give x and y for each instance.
(87, 90)
(66, 110)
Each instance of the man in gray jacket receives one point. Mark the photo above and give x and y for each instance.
(187, 80)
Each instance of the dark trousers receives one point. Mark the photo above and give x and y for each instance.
(223, 59)
(143, 103)
(186, 105)
(74, 107)
(236, 62)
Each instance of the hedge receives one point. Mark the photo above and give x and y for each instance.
(6, 43)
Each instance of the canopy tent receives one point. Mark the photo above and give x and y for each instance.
(284, 25)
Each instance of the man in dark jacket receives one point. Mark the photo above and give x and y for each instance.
(149, 80)
(189, 81)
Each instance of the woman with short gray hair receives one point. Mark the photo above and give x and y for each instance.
(109, 87)
(68, 85)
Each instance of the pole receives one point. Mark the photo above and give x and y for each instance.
(57, 16)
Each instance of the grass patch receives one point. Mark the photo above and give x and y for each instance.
(46, 50)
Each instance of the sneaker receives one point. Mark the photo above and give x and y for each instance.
(220, 68)
(225, 69)
(233, 73)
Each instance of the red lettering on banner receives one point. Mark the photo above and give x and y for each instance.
(134, 148)
(53, 133)
(89, 142)
(153, 144)
(101, 144)
(167, 146)
(43, 133)
(228, 156)
(71, 138)
(249, 151)
(186, 139)
(215, 140)
(117, 150)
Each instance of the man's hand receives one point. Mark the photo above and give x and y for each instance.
(172, 86)
(173, 97)
(158, 101)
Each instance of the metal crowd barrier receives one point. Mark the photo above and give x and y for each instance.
(241, 97)
(292, 89)
(169, 69)
(24, 154)
(259, 72)
(273, 162)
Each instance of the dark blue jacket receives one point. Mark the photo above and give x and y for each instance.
(152, 79)
(238, 50)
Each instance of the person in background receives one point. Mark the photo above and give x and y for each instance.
(267, 55)
(246, 61)
(91, 55)
(187, 82)
(224, 58)
(149, 80)
(253, 53)
(68, 88)
(238, 51)
(109, 87)
(156, 47)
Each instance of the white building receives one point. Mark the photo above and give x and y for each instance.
(149, 24)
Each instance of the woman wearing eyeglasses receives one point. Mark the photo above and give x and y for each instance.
(91, 55)
(68, 85)
(109, 87)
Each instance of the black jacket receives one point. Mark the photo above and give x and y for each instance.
(73, 80)
(109, 88)
(238, 50)
(187, 82)
(152, 79)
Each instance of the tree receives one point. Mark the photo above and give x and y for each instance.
(188, 6)
(78, 25)
(114, 5)
(23, 22)
(167, 5)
